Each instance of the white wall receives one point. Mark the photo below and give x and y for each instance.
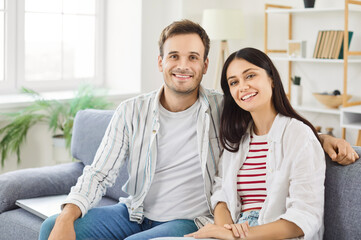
(123, 32)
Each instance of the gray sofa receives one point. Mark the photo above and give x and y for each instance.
(343, 191)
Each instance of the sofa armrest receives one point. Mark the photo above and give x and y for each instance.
(37, 182)
(342, 200)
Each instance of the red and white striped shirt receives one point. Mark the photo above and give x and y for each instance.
(251, 178)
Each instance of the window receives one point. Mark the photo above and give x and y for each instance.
(2, 41)
(58, 43)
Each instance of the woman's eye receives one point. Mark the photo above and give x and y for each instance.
(249, 76)
(232, 83)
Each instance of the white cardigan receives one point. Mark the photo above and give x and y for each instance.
(295, 177)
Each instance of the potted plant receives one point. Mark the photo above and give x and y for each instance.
(57, 113)
(296, 91)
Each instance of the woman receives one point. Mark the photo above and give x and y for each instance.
(270, 182)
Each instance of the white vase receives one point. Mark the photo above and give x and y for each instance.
(296, 95)
(60, 153)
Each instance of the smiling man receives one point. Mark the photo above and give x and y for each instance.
(170, 138)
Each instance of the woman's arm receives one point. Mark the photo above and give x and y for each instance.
(280, 229)
(222, 215)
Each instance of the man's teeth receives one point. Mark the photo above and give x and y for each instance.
(182, 76)
(248, 96)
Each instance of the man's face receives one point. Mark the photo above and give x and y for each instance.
(183, 63)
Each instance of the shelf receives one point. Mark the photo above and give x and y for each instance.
(351, 117)
(305, 108)
(314, 60)
(310, 10)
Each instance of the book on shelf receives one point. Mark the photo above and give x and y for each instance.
(329, 44)
(319, 50)
(350, 33)
(332, 44)
(326, 44)
(319, 36)
(338, 43)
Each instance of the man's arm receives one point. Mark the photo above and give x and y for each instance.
(338, 149)
(64, 224)
(99, 175)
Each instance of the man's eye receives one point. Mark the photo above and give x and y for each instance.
(173, 56)
(193, 57)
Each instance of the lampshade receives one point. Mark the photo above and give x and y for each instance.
(223, 24)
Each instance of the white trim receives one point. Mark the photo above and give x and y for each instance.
(15, 102)
(8, 85)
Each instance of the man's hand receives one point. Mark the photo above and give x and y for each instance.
(64, 223)
(212, 231)
(338, 149)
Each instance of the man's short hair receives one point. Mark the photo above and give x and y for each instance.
(184, 27)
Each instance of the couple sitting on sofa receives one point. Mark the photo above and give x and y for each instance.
(269, 181)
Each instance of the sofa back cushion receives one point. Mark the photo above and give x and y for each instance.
(88, 131)
(343, 200)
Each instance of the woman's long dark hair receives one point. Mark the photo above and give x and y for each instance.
(235, 120)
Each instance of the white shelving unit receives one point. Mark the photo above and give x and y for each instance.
(351, 58)
(351, 118)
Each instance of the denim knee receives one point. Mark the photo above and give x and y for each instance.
(47, 226)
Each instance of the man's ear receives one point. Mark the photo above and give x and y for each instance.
(206, 62)
(160, 64)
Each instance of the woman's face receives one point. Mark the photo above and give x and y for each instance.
(249, 85)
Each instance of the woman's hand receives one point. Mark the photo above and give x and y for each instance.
(239, 230)
(212, 231)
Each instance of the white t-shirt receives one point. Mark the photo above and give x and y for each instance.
(177, 190)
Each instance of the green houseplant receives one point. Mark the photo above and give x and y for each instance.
(58, 114)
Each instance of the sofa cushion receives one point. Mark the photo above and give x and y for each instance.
(37, 182)
(88, 131)
(19, 224)
(343, 200)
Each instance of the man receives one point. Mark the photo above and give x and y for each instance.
(171, 139)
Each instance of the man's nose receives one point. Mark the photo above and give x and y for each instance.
(183, 63)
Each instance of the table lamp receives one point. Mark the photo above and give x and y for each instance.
(223, 25)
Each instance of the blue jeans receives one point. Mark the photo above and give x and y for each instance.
(251, 217)
(112, 222)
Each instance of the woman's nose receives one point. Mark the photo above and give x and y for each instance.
(243, 87)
